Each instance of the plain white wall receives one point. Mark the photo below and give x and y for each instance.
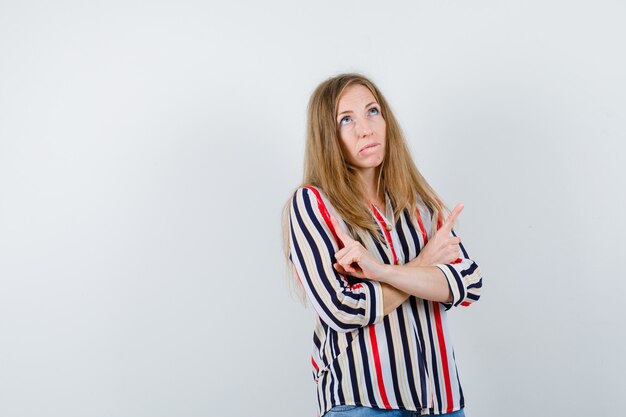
(146, 149)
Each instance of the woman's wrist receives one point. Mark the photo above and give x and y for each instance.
(416, 262)
(385, 273)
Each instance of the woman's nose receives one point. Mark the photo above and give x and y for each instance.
(364, 128)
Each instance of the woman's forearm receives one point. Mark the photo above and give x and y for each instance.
(426, 282)
(392, 298)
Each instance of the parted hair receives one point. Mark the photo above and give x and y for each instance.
(326, 168)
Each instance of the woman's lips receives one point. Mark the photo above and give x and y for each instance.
(368, 147)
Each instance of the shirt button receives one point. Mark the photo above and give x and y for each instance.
(389, 228)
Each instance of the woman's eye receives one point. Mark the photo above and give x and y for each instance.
(374, 111)
(344, 121)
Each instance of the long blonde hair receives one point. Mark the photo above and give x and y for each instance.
(326, 168)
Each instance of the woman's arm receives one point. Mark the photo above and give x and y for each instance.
(341, 306)
(392, 298)
(438, 274)
(427, 282)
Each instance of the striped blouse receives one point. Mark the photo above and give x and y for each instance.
(403, 360)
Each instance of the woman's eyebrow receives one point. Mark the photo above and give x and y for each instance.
(350, 111)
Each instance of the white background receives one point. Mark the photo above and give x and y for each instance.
(147, 147)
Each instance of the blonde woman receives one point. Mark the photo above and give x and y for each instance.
(377, 261)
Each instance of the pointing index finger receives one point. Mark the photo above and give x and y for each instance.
(341, 234)
(453, 216)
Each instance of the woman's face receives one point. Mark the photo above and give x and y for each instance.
(361, 128)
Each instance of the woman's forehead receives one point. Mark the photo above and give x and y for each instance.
(354, 97)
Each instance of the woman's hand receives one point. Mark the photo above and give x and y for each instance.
(353, 259)
(442, 248)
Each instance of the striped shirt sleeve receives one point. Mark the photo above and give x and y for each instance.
(464, 279)
(342, 306)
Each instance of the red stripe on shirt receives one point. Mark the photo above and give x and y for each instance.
(444, 357)
(325, 214)
(314, 364)
(379, 371)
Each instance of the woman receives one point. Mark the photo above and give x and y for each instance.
(377, 261)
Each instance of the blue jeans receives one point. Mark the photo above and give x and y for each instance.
(360, 411)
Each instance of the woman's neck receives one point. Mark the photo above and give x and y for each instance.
(373, 195)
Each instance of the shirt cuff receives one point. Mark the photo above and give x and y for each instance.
(454, 283)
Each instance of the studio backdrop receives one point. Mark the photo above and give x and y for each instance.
(147, 149)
